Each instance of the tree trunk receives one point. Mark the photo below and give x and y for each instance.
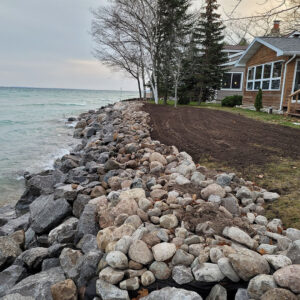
(144, 84)
(175, 97)
(139, 85)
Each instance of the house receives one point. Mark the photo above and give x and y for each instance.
(233, 78)
(272, 64)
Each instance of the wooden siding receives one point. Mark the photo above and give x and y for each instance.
(270, 98)
(288, 90)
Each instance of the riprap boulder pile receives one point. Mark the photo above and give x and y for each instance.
(123, 212)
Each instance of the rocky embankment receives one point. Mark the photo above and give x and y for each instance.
(123, 215)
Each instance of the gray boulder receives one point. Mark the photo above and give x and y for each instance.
(87, 222)
(33, 257)
(108, 291)
(208, 272)
(7, 213)
(41, 184)
(232, 205)
(70, 261)
(259, 285)
(88, 243)
(62, 231)
(47, 213)
(224, 179)
(9, 277)
(88, 267)
(79, 204)
(13, 225)
(172, 293)
(241, 294)
(294, 252)
(182, 274)
(38, 286)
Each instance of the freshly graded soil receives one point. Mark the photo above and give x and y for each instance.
(230, 138)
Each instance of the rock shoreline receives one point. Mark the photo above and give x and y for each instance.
(123, 215)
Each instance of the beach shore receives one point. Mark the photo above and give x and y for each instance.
(123, 215)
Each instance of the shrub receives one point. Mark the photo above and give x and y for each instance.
(258, 101)
(232, 101)
(183, 99)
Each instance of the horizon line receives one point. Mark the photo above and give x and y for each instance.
(57, 88)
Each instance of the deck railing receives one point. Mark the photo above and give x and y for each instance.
(292, 103)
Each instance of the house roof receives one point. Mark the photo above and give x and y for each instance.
(235, 47)
(281, 45)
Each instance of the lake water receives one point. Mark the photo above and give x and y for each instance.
(33, 129)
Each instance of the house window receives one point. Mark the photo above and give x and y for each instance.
(266, 77)
(232, 81)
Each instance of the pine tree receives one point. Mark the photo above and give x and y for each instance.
(173, 13)
(209, 39)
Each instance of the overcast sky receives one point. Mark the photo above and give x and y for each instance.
(46, 43)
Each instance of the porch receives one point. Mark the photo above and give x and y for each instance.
(293, 104)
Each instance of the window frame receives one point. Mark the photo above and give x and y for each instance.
(241, 85)
(262, 79)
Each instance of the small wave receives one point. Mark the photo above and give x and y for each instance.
(11, 122)
(54, 104)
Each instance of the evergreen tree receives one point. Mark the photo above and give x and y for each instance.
(209, 39)
(173, 14)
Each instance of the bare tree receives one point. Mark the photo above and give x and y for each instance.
(260, 23)
(114, 48)
(127, 32)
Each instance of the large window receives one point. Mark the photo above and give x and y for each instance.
(266, 77)
(232, 81)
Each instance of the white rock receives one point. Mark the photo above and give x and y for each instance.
(278, 261)
(208, 272)
(117, 260)
(239, 236)
(270, 197)
(226, 268)
(181, 180)
(163, 251)
(259, 285)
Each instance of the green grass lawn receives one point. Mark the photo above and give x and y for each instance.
(260, 116)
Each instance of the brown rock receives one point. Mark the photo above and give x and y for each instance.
(140, 252)
(249, 266)
(151, 239)
(98, 191)
(126, 206)
(158, 194)
(64, 290)
(278, 294)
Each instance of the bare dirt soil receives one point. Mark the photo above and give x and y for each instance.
(224, 137)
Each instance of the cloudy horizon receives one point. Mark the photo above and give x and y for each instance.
(47, 44)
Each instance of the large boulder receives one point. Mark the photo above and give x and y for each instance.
(33, 257)
(289, 277)
(15, 224)
(108, 291)
(9, 250)
(38, 286)
(172, 293)
(240, 236)
(208, 272)
(46, 213)
(87, 222)
(10, 276)
(294, 252)
(139, 252)
(259, 285)
(278, 294)
(248, 266)
(70, 261)
(163, 251)
(213, 189)
(64, 290)
(63, 232)
(41, 184)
